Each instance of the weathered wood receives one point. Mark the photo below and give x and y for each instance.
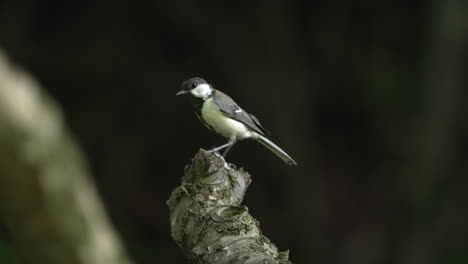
(208, 221)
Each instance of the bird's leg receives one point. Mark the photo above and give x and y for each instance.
(231, 143)
(228, 145)
(219, 148)
(220, 157)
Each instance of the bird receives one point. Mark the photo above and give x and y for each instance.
(222, 115)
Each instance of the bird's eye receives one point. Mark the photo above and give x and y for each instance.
(195, 84)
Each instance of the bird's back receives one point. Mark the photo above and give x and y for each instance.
(228, 107)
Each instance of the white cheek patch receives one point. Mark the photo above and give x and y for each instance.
(202, 91)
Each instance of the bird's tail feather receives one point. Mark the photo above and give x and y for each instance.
(275, 149)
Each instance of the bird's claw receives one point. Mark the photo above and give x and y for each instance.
(216, 153)
(225, 164)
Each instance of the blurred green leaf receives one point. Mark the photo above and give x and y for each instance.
(6, 255)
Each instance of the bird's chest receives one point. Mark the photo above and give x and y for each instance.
(221, 123)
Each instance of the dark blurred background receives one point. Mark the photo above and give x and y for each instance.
(369, 97)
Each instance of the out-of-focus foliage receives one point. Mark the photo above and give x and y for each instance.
(6, 256)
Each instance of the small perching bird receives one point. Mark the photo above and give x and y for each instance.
(222, 115)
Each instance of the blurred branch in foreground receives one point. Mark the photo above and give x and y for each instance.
(208, 221)
(47, 200)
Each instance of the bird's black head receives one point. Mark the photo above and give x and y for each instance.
(196, 87)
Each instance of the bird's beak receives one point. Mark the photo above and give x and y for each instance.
(181, 92)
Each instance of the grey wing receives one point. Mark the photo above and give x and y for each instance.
(228, 107)
(258, 124)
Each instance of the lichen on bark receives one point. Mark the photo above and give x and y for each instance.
(209, 222)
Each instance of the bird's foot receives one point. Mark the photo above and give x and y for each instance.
(216, 153)
(226, 165)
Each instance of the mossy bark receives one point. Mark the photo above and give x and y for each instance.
(208, 221)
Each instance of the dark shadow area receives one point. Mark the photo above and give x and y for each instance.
(369, 98)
